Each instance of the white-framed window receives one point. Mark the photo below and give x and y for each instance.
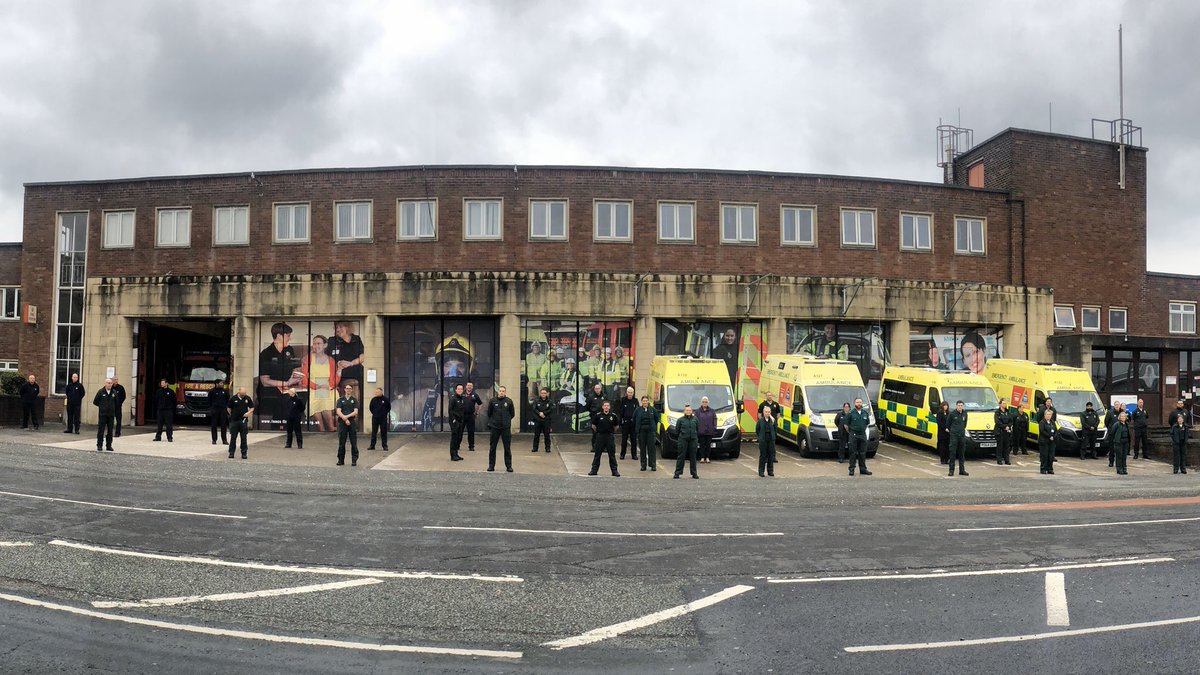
(291, 223)
(174, 227)
(231, 225)
(916, 232)
(798, 225)
(1118, 319)
(1183, 317)
(613, 221)
(548, 219)
(353, 221)
(10, 302)
(739, 224)
(676, 221)
(1064, 317)
(970, 236)
(9, 365)
(484, 218)
(1089, 319)
(418, 219)
(118, 229)
(68, 305)
(858, 228)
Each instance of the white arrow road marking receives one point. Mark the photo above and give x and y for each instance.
(333, 571)
(119, 507)
(598, 634)
(1021, 638)
(1056, 600)
(265, 637)
(221, 597)
(595, 533)
(971, 573)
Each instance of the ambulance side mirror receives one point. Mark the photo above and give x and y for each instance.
(741, 407)
(798, 408)
(658, 406)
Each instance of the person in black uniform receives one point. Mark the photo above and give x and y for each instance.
(1003, 429)
(1140, 421)
(164, 411)
(105, 401)
(346, 409)
(500, 413)
(294, 414)
(771, 403)
(1120, 447)
(765, 430)
(1179, 439)
(604, 425)
(943, 438)
(1090, 421)
(1020, 430)
(1178, 412)
(1110, 423)
(645, 420)
(957, 422)
(241, 407)
(595, 405)
(1048, 404)
(121, 397)
(842, 422)
(458, 416)
(472, 402)
(75, 393)
(858, 421)
(380, 407)
(218, 411)
(1047, 431)
(29, 391)
(542, 409)
(687, 441)
(626, 411)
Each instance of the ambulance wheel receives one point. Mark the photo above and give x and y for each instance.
(735, 453)
(870, 454)
(802, 444)
(885, 432)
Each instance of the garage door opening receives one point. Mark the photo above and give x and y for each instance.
(191, 356)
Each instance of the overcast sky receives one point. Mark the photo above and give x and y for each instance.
(106, 89)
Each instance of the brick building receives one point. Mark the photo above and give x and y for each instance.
(413, 278)
(10, 305)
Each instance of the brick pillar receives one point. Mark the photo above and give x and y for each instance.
(510, 362)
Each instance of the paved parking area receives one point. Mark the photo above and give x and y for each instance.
(571, 456)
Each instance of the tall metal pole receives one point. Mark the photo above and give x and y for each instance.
(1121, 95)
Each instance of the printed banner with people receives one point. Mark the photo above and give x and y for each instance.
(314, 359)
(864, 344)
(570, 359)
(740, 345)
(955, 347)
(428, 358)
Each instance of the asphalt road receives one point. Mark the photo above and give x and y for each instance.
(177, 565)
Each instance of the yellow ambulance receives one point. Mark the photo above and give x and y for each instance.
(909, 398)
(677, 381)
(810, 392)
(1027, 384)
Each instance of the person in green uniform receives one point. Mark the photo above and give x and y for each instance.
(645, 422)
(1179, 439)
(1120, 442)
(765, 430)
(347, 416)
(1090, 421)
(1047, 437)
(858, 421)
(689, 439)
(958, 439)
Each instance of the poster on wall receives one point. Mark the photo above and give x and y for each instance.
(428, 358)
(864, 344)
(571, 358)
(740, 345)
(955, 347)
(317, 359)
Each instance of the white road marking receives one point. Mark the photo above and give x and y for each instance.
(607, 534)
(973, 573)
(119, 507)
(1071, 525)
(598, 634)
(1056, 600)
(335, 571)
(1021, 638)
(14, 544)
(221, 597)
(265, 637)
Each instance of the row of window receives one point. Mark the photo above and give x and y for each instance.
(483, 219)
(10, 302)
(1182, 318)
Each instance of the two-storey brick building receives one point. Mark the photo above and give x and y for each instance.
(412, 279)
